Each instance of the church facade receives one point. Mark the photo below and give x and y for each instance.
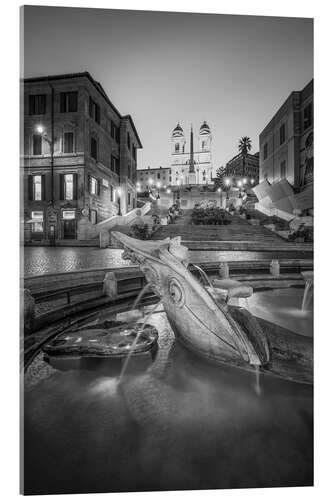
(191, 165)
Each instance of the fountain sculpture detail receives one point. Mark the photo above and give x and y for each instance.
(204, 322)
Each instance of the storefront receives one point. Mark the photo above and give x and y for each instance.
(68, 224)
(37, 225)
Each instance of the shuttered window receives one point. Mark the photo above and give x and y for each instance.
(36, 144)
(68, 102)
(36, 187)
(68, 187)
(94, 111)
(68, 142)
(94, 185)
(37, 104)
(93, 148)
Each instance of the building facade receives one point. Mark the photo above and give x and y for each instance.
(286, 158)
(79, 158)
(181, 157)
(286, 143)
(158, 177)
(243, 166)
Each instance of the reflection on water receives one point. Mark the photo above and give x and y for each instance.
(283, 307)
(181, 424)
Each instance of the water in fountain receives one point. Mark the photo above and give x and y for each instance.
(257, 384)
(136, 340)
(140, 295)
(307, 297)
(204, 275)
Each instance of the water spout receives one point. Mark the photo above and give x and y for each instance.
(140, 295)
(136, 340)
(257, 387)
(308, 292)
(204, 275)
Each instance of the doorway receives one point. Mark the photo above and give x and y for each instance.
(69, 229)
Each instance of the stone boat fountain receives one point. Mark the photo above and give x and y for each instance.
(203, 321)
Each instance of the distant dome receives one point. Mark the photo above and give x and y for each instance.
(204, 129)
(178, 131)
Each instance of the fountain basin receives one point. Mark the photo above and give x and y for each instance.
(102, 342)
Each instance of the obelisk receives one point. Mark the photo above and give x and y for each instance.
(191, 172)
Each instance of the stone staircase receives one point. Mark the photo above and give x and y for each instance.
(238, 230)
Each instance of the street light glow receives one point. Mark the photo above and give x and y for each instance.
(219, 190)
(150, 181)
(168, 191)
(158, 184)
(239, 183)
(244, 181)
(119, 191)
(227, 182)
(40, 129)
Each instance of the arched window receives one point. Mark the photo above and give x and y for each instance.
(177, 147)
(203, 145)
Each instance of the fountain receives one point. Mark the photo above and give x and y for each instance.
(204, 323)
(308, 292)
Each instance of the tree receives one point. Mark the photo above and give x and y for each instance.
(220, 175)
(244, 146)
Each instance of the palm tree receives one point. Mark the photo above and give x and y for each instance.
(244, 146)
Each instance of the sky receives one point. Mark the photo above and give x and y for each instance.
(161, 68)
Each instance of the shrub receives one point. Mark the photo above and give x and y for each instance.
(140, 231)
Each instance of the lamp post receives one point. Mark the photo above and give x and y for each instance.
(219, 190)
(158, 184)
(119, 201)
(41, 131)
(50, 140)
(239, 184)
(227, 183)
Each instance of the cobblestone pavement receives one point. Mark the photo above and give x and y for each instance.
(42, 260)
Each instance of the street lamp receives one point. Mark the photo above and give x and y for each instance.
(252, 181)
(119, 191)
(227, 183)
(239, 184)
(220, 191)
(41, 131)
(158, 184)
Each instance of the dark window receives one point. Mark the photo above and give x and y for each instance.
(177, 147)
(37, 104)
(282, 133)
(68, 102)
(36, 144)
(283, 169)
(117, 166)
(158, 175)
(307, 122)
(68, 142)
(133, 152)
(111, 193)
(128, 141)
(93, 148)
(265, 150)
(94, 111)
(114, 132)
(129, 199)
